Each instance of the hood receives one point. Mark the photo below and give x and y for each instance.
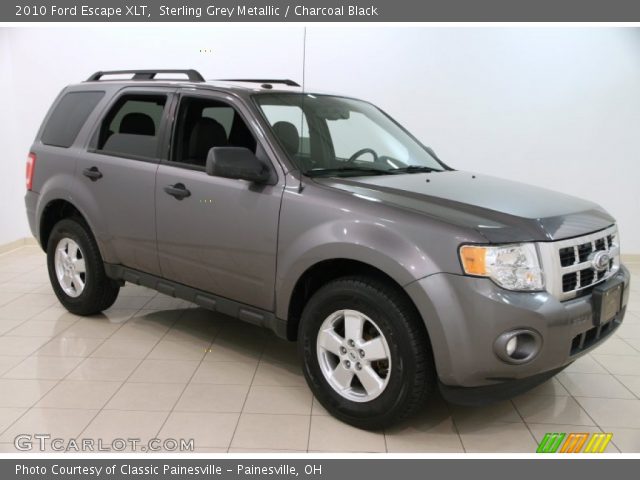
(500, 210)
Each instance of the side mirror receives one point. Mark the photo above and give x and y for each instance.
(237, 162)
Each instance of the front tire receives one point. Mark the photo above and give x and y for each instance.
(76, 270)
(365, 352)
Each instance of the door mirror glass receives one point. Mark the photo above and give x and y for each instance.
(237, 162)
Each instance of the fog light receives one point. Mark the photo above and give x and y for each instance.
(518, 346)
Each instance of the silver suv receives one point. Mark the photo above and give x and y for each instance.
(321, 218)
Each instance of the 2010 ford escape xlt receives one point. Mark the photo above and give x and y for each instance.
(321, 218)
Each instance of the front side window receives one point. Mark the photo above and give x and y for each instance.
(203, 124)
(131, 126)
(342, 136)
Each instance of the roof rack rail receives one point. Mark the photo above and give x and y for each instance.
(289, 83)
(192, 75)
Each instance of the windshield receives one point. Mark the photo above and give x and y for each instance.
(328, 135)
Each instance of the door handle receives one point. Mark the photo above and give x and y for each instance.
(92, 173)
(179, 191)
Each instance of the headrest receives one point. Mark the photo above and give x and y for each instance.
(206, 134)
(137, 124)
(288, 134)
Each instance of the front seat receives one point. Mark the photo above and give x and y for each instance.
(136, 123)
(206, 134)
(288, 135)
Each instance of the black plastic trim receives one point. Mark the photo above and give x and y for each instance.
(241, 311)
(484, 395)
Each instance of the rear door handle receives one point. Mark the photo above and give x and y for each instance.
(179, 191)
(92, 173)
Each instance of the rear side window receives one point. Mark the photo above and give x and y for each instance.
(68, 117)
(131, 126)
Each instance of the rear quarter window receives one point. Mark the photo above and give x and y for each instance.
(68, 117)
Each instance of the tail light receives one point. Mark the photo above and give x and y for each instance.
(31, 167)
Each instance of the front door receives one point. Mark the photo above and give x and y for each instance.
(215, 234)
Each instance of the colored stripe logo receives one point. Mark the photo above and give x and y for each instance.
(574, 443)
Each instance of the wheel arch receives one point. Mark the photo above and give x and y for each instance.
(324, 271)
(54, 211)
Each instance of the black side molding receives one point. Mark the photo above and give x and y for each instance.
(246, 313)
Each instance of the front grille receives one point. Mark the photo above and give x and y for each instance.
(567, 256)
(581, 256)
(569, 267)
(592, 336)
(569, 281)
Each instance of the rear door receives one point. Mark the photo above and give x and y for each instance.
(117, 175)
(219, 235)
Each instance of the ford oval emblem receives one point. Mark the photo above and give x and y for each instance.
(600, 260)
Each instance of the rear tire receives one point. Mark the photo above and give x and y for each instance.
(76, 269)
(392, 356)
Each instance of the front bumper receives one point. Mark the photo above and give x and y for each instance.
(465, 315)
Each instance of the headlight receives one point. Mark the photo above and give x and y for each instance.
(514, 267)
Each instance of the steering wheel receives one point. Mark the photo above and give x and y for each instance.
(361, 152)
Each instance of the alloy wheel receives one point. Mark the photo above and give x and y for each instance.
(354, 355)
(70, 267)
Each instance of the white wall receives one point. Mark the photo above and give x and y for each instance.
(45, 60)
(12, 168)
(557, 107)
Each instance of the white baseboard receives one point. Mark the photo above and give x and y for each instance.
(630, 258)
(7, 247)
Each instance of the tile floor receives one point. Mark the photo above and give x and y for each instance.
(156, 366)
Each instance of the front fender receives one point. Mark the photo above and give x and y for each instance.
(321, 223)
(374, 244)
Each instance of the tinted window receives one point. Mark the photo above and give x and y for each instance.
(204, 124)
(67, 118)
(130, 128)
(222, 115)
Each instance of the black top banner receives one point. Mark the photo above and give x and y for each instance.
(320, 11)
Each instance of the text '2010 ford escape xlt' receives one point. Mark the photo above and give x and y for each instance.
(322, 219)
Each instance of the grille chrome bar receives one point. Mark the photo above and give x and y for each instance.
(566, 277)
(576, 267)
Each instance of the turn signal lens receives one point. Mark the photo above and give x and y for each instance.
(473, 259)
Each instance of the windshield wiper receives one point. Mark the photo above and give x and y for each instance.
(349, 170)
(415, 169)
